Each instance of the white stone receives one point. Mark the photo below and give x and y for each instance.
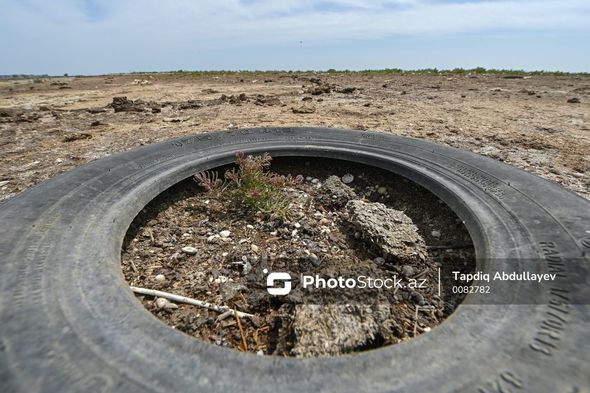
(347, 178)
(161, 302)
(221, 279)
(189, 250)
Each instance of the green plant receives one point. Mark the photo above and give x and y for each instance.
(251, 184)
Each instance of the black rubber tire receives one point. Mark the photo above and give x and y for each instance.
(69, 323)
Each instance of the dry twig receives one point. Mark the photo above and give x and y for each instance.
(188, 300)
(244, 344)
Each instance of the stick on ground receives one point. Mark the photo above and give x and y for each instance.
(244, 344)
(187, 300)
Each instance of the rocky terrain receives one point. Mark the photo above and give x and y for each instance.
(540, 123)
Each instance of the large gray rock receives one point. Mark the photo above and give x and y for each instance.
(335, 193)
(334, 329)
(388, 232)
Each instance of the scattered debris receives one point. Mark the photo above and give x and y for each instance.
(346, 90)
(234, 99)
(261, 99)
(303, 109)
(175, 119)
(122, 104)
(77, 136)
(141, 82)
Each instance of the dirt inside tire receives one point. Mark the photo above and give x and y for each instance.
(191, 243)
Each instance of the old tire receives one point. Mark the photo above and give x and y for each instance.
(69, 323)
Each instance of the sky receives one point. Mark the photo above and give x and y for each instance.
(108, 36)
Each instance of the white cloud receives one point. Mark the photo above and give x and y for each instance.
(144, 28)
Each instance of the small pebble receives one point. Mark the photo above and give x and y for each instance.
(165, 304)
(435, 234)
(407, 270)
(246, 268)
(225, 233)
(254, 248)
(314, 259)
(382, 190)
(212, 238)
(189, 250)
(418, 298)
(161, 302)
(315, 181)
(379, 261)
(160, 278)
(347, 178)
(221, 280)
(250, 226)
(297, 225)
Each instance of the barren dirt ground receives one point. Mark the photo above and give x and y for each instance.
(539, 123)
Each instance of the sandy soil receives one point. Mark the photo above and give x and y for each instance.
(48, 126)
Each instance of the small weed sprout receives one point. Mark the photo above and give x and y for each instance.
(211, 182)
(251, 184)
